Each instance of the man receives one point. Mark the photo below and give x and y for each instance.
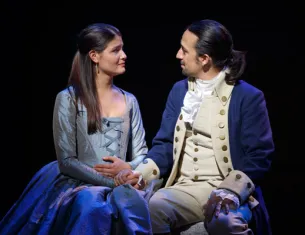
(214, 144)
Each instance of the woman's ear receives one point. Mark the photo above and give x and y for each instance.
(94, 56)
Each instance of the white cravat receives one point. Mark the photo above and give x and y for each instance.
(193, 99)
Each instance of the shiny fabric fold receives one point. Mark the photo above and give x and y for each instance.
(56, 204)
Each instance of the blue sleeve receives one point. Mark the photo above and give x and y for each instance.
(64, 133)
(256, 137)
(138, 143)
(162, 145)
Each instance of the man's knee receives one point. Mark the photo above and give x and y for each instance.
(223, 223)
(157, 206)
(161, 214)
(227, 224)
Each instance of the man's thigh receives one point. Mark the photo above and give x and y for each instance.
(199, 190)
(181, 204)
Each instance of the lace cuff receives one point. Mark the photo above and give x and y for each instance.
(223, 193)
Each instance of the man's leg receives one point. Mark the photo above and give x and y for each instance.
(171, 208)
(236, 222)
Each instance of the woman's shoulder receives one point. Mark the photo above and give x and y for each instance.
(130, 97)
(65, 96)
(66, 92)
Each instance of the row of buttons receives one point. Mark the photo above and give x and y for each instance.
(222, 137)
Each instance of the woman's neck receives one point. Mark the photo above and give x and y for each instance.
(104, 84)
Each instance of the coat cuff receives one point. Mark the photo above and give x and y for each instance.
(149, 169)
(239, 183)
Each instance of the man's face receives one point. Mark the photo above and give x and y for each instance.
(190, 63)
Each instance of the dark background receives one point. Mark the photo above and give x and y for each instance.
(38, 44)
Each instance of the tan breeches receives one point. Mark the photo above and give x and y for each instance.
(182, 204)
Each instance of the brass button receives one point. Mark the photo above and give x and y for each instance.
(196, 177)
(178, 128)
(222, 112)
(195, 159)
(229, 170)
(225, 159)
(224, 147)
(221, 125)
(238, 176)
(224, 99)
(222, 137)
(175, 150)
(196, 149)
(155, 172)
(181, 116)
(176, 139)
(249, 185)
(251, 199)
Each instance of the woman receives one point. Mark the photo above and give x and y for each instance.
(98, 131)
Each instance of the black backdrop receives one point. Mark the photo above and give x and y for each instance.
(39, 45)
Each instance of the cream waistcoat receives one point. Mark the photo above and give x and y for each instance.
(213, 136)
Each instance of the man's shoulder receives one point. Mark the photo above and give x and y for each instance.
(180, 85)
(245, 88)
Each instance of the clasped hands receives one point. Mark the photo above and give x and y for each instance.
(121, 172)
(128, 176)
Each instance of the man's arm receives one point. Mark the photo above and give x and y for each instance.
(257, 144)
(159, 160)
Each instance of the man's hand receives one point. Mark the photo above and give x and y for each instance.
(127, 176)
(111, 170)
(214, 206)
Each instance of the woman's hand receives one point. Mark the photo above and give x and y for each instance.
(111, 170)
(133, 178)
